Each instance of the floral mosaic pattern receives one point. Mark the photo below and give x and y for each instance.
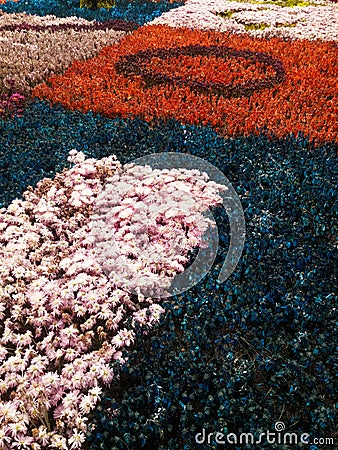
(288, 83)
(250, 86)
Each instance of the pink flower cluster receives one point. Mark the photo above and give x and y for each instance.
(11, 102)
(146, 220)
(11, 105)
(63, 322)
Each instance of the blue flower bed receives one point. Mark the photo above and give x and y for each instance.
(141, 11)
(229, 358)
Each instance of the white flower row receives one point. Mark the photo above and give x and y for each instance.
(31, 19)
(300, 22)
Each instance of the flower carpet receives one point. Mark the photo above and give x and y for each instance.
(94, 353)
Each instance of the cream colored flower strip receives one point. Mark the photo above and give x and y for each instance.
(303, 22)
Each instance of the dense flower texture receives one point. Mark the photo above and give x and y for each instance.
(141, 11)
(305, 102)
(62, 321)
(11, 102)
(292, 19)
(136, 215)
(32, 47)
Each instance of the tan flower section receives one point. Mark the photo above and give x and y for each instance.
(28, 57)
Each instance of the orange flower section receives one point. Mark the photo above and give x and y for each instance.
(302, 97)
